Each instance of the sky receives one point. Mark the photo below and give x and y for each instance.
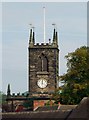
(70, 19)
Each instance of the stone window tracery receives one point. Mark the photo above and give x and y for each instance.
(43, 63)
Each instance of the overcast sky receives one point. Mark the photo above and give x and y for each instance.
(71, 21)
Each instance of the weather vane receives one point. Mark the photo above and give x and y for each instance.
(54, 25)
(30, 24)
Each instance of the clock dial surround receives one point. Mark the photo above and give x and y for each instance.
(42, 83)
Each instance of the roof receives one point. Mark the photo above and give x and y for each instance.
(36, 114)
(47, 108)
(82, 110)
(78, 112)
(62, 108)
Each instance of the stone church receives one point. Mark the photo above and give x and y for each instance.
(43, 65)
(43, 73)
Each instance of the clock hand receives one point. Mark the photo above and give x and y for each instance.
(42, 81)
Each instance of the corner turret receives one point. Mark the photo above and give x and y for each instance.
(8, 90)
(32, 37)
(55, 37)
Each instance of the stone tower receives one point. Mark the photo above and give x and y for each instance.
(43, 65)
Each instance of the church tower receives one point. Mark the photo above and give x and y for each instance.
(43, 65)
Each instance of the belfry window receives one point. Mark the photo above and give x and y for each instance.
(43, 63)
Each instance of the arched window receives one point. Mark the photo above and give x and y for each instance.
(43, 63)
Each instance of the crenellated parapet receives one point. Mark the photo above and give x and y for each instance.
(53, 43)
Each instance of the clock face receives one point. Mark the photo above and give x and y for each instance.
(42, 83)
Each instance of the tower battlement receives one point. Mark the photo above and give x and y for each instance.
(43, 45)
(54, 42)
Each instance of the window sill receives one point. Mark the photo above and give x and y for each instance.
(42, 73)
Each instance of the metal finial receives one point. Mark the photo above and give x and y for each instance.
(54, 25)
(30, 25)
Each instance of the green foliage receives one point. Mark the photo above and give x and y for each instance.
(56, 95)
(28, 103)
(48, 103)
(77, 77)
(2, 98)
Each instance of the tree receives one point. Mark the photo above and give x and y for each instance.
(77, 77)
(56, 95)
(2, 98)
